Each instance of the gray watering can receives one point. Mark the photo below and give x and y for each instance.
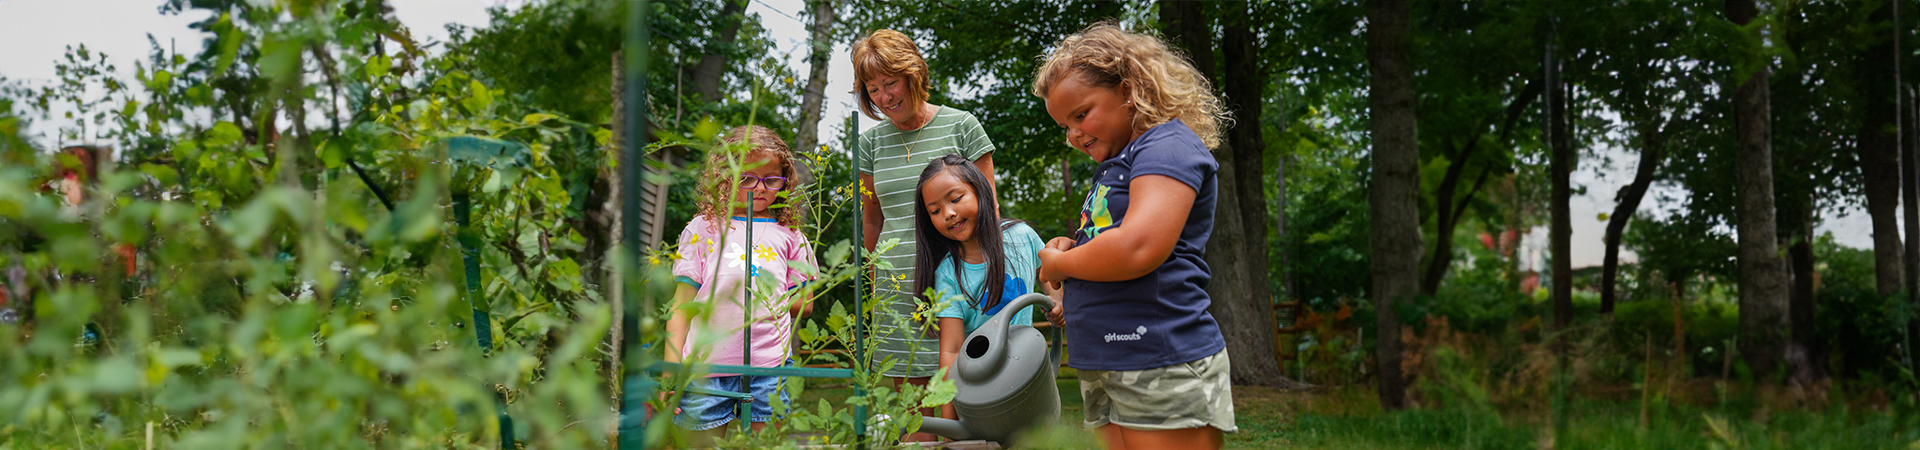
(1005, 376)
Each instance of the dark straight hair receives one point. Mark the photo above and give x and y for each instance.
(935, 247)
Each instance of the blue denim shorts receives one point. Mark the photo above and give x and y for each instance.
(699, 412)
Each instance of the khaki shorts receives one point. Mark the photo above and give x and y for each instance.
(1188, 395)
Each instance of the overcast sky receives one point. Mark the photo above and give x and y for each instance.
(37, 32)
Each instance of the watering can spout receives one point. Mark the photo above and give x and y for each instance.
(945, 427)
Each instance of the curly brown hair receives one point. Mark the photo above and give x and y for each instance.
(740, 145)
(1165, 85)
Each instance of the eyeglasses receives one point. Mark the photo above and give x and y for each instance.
(773, 183)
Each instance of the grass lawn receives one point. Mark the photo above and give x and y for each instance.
(1350, 418)
(1258, 412)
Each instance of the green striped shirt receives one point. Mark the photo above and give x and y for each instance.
(896, 174)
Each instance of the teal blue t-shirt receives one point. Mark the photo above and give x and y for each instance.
(1022, 247)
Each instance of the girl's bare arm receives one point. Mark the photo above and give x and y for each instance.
(1159, 209)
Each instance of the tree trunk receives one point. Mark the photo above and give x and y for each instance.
(1251, 322)
(1289, 290)
(1652, 151)
(1807, 355)
(1394, 192)
(609, 219)
(1241, 300)
(1560, 232)
(1880, 156)
(1910, 186)
(816, 91)
(1763, 292)
(707, 73)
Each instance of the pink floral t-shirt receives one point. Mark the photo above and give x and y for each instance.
(705, 248)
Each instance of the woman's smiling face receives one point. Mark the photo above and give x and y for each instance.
(894, 97)
(1099, 120)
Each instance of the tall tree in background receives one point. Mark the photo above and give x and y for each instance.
(706, 73)
(1252, 308)
(1242, 299)
(1763, 294)
(1393, 191)
(1877, 145)
(1478, 100)
(1640, 72)
(1813, 97)
(819, 51)
(1909, 180)
(1560, 234)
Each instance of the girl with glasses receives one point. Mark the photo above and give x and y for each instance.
(716, 265)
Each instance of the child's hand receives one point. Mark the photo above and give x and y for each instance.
(1057, 315)
(1062, 243)
(1048, 270)
(664, 397)
(1047, 274)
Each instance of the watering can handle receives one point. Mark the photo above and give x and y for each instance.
(1053, 354)
(1041, 300)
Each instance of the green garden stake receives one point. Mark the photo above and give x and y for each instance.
(859, 311)
(463, 153)
(482, 324)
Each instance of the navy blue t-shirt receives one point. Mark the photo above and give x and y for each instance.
(1159, 319)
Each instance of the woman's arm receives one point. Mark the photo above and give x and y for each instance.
(985, 164)
(952, 332)
(870, 217)
(1141, 243)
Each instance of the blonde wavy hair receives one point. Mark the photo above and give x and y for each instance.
(1164, 84)
(887, 53)
(719, 182)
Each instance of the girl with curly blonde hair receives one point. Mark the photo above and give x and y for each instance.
(1153, 365)
(716, 264)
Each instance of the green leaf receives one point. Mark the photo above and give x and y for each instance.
(229, 41)
(377, 66)
(706, 130)
(537, 118)
(333, 154)
(281, 60)
(161, 79)
(116, 375)
(133, 107)
(478, 98)
(476, 151)
(164, 174)
(564, 275)
(494, 182)
(223, 134)
(838, 253)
